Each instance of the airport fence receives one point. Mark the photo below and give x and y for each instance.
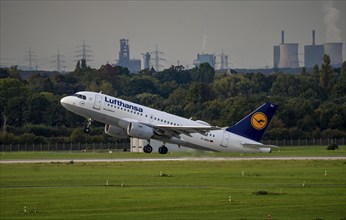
(90, 147)
(305, 142)
(86, 147)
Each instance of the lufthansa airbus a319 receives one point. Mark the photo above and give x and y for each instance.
(124, 119)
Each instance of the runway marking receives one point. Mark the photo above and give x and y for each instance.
(165, 159)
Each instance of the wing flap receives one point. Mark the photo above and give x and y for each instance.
(258, 146)
(171, 130)
(187, 130)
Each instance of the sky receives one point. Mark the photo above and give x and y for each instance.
(244, 30)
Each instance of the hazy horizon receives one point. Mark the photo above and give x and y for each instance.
(244, 30)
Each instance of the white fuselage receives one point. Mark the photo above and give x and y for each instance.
(119, 113)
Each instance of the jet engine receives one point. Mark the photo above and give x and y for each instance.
(140, 131)
(115, 131)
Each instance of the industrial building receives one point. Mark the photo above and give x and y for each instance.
(313, 54)
(133, 65)
(146, 58)
(286, 54)
(334, 50)
(205, 58)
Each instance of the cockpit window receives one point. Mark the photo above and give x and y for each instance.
(80, 96)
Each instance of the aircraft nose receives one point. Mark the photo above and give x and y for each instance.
(66, 102)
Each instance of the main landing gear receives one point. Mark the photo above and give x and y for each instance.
(148, 149)
(163, 149)
(87, 127)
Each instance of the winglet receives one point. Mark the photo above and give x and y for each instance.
(254, 124)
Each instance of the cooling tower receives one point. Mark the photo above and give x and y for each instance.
(276, 56)
(334, 50)
(288, 56)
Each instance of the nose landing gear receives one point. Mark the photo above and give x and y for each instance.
(87, 127)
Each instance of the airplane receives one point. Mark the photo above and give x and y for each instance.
(125, 119)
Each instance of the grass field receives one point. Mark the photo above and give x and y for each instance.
(280, 152)
(312, 189)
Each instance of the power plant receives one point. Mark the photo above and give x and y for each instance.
(133, 65)
(334, 50)
(205, 58)
(313, 54)
(286, 54)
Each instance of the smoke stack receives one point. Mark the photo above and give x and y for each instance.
(313, 37)
(282, 37)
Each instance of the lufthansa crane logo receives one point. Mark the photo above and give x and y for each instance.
(259, 120)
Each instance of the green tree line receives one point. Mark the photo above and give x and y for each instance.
(311, 104)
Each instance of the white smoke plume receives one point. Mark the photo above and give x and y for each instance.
(331, 18)
(204, 42)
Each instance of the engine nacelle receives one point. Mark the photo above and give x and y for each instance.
(115, 131)
(140, 131)
(265, 150)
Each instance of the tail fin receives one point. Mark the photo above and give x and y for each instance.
(254, 125)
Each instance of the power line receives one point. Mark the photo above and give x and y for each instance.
(59, 60)
(31, 58)
(84, 53)
(157, 59)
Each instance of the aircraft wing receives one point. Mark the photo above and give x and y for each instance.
(258, 146)
(170, 130)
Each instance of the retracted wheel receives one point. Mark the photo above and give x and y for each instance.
(163, 149)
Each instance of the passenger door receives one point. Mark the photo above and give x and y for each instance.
(98, 101)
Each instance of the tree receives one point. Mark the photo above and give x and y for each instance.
(4, 73)
(204, 73)
(37, 108)
(142, 84)
(14, 72)
(316, 72)
(343, 71)
(304, 72)
(78, 68)
(326, 74)
(12, 101)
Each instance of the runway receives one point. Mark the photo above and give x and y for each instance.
(164, 159)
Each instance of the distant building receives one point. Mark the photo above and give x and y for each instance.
(205, 58)
(313, 54)
(146, 58)
(334, 50)
(286, 55)
(133, 65)
(276, 56)
(289, 56)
